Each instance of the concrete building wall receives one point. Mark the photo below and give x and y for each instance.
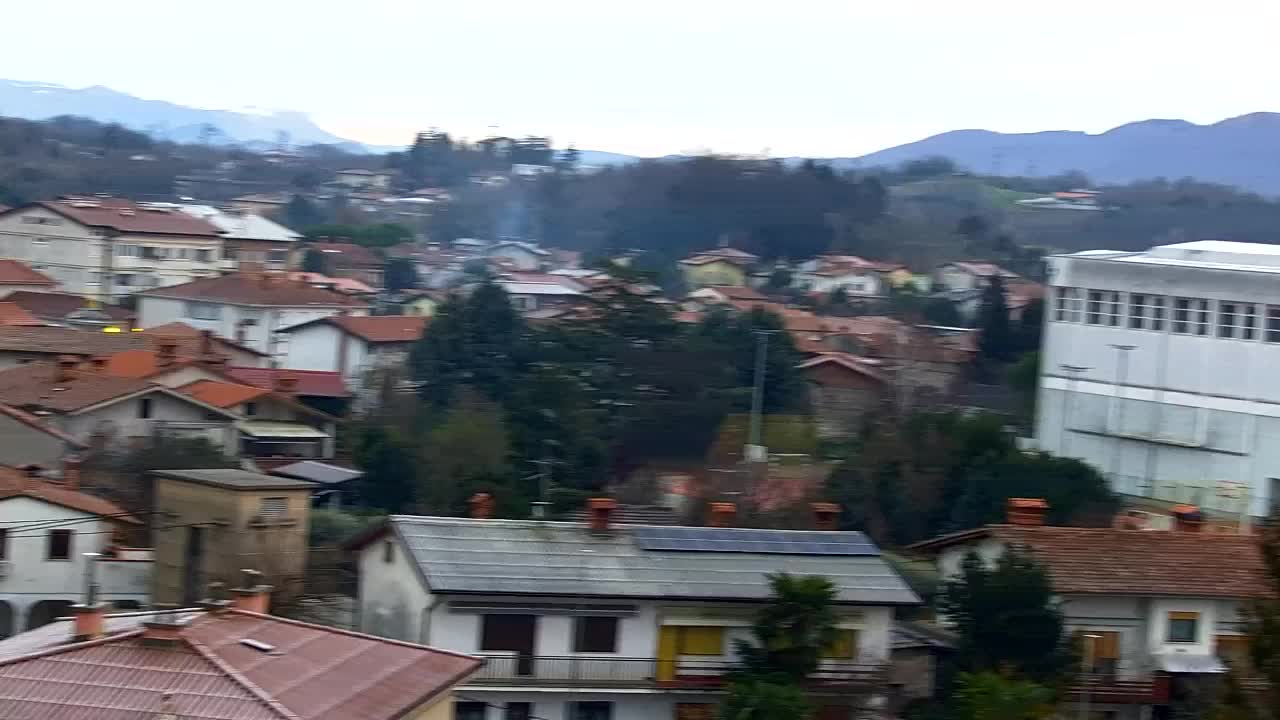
(232, 321)
(64, 250)
(21, 444)
(122, 422)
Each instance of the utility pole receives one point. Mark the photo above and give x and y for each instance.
(754, 450)
(1068, 403)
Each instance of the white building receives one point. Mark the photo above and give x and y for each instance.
(103, 247)
(618, 622)
(249, 238)
(247, 307)
(1158, 368)
(856, 276)
(49, 525)
(523, 255)
(1151, 608)
(352, 345)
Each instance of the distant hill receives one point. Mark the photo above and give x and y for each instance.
(1242, 151)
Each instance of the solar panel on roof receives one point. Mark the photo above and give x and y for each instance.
(764, 542)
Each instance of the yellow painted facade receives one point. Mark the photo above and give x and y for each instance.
(717, 272)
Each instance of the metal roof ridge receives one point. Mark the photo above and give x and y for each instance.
(261, 695)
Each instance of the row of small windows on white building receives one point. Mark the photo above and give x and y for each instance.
(1160, 313)
(150, 252)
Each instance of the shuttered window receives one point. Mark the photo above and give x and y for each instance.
(696, 640)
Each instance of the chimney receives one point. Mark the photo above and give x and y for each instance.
(71, 473)
(1026, 511)
(252, 595)
(90, 615)
(600, 511)
(825, 515)
(217, 597)
(287, 384)
(481, 506)
(1131, 520)
(1187, 518)
(722, 514)
(206, 342)
(164, 629)
(166, 352)
(66, 367)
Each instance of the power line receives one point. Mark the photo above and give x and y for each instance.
(22, 525)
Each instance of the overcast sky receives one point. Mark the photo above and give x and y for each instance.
(792, 77)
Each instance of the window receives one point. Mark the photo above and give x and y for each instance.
(1102, 650)
(845, 646)
(95, 277)
(1190, 316)
(1237, 320)
(124, 280)
(592, 710)
(1146, 312)
(278, 256)
(518, 711)
(1067, 308)
(273, 508)
(1273, 324)
(388, 552)
(60, 544)
(596, 635)
(204, 311)
(469, 710)
(144, 408)
(1183, 627)
(508, 633)
(250, 409)
(204, 256)
(1103, 308)
(699, 640)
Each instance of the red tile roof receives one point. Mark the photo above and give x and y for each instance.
(735, 292)
(56, 306)
(185, 334)
(13, 315)
(848, 361)
(270, 289)
(375, 328)
(36, 385)
(350, 286)
(312, 673)
(1133, 562)
(16, 483)
(348, 254)
(316, 383)
(13, 272)
(66, 341)
(222, 394)
(126, 216)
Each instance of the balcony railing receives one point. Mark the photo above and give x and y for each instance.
(576, 671)
(1121, 682)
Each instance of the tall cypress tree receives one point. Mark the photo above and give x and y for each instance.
(996, 341)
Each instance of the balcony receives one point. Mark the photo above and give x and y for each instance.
(1122, 683)
(682, 674)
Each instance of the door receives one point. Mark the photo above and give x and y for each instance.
(668, 644)
(511, 633)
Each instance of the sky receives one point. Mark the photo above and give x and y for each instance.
(651, 77)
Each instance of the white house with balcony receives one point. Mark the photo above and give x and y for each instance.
(47, 525)
(249, 238)
(601, 621)
(1150, 608)
(1158, 368)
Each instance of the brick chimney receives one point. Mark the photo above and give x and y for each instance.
(252, 595)
(90, 615)
(71, 473)
(600, 511)
(825, 515)
(65, 371)
(166, 352)
(481, 506)
(1026, 511)
(1187, 518)
(287, 384)
(721, 514)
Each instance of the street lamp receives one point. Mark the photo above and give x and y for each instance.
(1089, 639)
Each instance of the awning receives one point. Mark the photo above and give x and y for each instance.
(1191, 664)
(272, 429)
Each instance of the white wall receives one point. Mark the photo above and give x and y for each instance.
(393, 600)
(63, 250)
(120, 421)
(262, 336)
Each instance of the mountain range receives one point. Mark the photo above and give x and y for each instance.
(1242, 151)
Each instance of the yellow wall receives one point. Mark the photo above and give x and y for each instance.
(714, 273)
(440, 708)
(424, 306)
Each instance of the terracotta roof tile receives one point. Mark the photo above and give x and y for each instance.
(126, 216)
(271, 289)
(350, 286)
(13, 272)
(185, 335)
(13, 315)
(56, 306)
(378, 328)
(349, 254)
(36, 385)
(316, 383)
(66, 341)
(222, 394)
(16, 483)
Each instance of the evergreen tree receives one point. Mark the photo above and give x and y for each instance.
(301, 214)
(996, 340)
(400, 274)
(1253, 691)
(464, 454)
(314, 261)
(992, 696)
(793, 630)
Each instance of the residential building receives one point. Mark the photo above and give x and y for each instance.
(721, 266)
(222, 661)
(324, 391)
(521, 255)
(211, 523)
(104, 411)
(13, 315)
(27, 440)
(528, 297)
(970, 275)
(626, 622)
(345, 285)
(853, 275)
(69, 310)
(246, 307)
(348, 260)
(23, 344)
(50, 529)
(1151, 607)
(361, 179)
(844, 392)
(274, 427)
(262, 203)
(709, 295)
(104, 247)
(333, 482)
(352, 346)
(19, 277)
(250, 238)
(190, 342)
(1155, 368)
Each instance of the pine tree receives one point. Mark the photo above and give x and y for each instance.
(996, 341)
(1253, 693)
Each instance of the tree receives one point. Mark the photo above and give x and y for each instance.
(941, 311)
(301, 213)
(464, 454)
(992, 696)
(478, 341)
(1006, 618)
(1030, 325)
(1253, 692)
(754, 699)
(996, 341)
(390, 467)
(793, 630)
(400, 274)
(314, 261)
(973, 228)
(779, 279)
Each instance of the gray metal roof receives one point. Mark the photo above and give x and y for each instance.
(236, 479)
(318, 472)
(462, 555)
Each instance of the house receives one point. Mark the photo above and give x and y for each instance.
(348, 260)
(23, 344)
(100, 410)
(262, 203)
(1152, 607)
(709, 295)
(247, 307)
(529, 297)
(721, 266)
(361, 179)
(970, 275)
(853, 275)
(1154, 369)
(322, 390)
(52, 527)
(193, 342)
(352, 346)
(66, 309)
(844, 391)
(521, 255)
(332, 481)
(272, 424)
(27, 440)
(13, 315)
(17, 276)
(604, 620)
(105, 247)
(224, 660)
(249, 238)
(423, 303)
